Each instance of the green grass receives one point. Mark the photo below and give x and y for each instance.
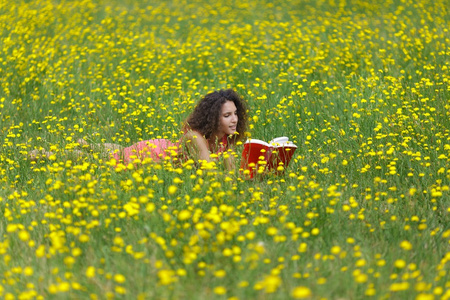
(362, 210)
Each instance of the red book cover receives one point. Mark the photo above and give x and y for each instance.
(259, 157)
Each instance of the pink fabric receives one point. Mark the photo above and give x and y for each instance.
(156, 149)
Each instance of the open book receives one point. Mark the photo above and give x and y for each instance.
(259, 157)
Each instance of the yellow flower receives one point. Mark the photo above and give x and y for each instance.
(227, 252)
(120, 290)
(370, 292)
(28, 271)
(24, 235)
(243, 284)
(40, 251)
(335, 250)
(301, 292)
(84, 238)
(424, 296)
(172, 189)
(381, 262)
(184, 215)
(166, 276)
(69, 261)
(220, 290)
(90, 272)
(271, 231)
(401, 286)
(119, 278)
(63, 287)
(400, 263)
(405, 245)
(131, 208)
(150, 207)
(272, 283)
(220, 273)
(302, 247)
(361, 278)
(321, 280)
(11, 227)
(315, 231)
(177, 180)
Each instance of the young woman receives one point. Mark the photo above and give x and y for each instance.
(218, 121)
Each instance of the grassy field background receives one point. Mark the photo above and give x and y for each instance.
(362, 211)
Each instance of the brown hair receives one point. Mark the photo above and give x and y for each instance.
(206, 115)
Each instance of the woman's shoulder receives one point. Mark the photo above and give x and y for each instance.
(193, 138)
(192, 134)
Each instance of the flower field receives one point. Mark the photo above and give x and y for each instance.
(362, 210)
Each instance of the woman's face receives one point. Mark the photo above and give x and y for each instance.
(228, 119)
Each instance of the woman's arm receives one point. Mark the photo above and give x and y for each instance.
(196, 145)
(229, 161)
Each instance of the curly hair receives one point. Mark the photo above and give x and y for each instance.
(206, 115)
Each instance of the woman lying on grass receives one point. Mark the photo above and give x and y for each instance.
(218, 121)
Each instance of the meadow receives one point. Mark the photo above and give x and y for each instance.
(362, 210)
